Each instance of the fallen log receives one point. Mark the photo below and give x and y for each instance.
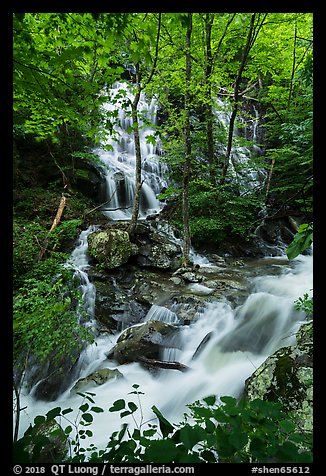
(163, 364)
(56, 222)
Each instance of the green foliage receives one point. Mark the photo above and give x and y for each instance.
(216, 213)
(28, 239)
(302, 240)
(228, 431)
(305, 304)
(46, 322)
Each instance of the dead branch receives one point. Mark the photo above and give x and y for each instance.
(56, 222)
(104, 203)
(57, 219)
(163, 364)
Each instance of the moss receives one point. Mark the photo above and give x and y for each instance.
(111, 247)
(285, 385)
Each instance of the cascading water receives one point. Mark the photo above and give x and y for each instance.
(118, 158)
(222, 345)
(246, 176)
(79, 263)
(239, 341)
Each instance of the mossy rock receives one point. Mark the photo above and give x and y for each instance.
(99, 377)
(287, 377)
(49, 443)
(111, 247)
(142, 340)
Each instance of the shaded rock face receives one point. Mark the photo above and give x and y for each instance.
(87, 177)
(142, 340)
(52, 380)
(287, 377)
(158, 246)
(99, 378)
(114, 309)
(53, 450)
(111, 247)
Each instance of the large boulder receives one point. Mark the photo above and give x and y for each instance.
(287, 377)
(158, 245)
(114, 308)
(111, 247)
(49, 443)
(143, 340)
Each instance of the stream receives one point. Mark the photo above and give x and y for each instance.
(242, 332)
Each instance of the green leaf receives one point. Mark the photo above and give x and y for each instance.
(210, 400)
(96, 409)
(39, 419)
(53, 413)
(150, 139)
(87, 417)
(191, 435)
(161, 451)
(165, 426)
(287, 425)
(133, 407)
(66, 410)
(238, 439)
(68, 429)
(118, 405)
(84, 407)
(202, 412)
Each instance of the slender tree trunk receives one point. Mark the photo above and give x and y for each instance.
(138, 182)
(293, 66)
(253, 31)
(17, 395)
(209, 19)
(187, 166)
(134, 110)
(56, 222)
(269, 178)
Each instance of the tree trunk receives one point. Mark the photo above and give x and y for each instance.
(138, 182)
(209, 19)
(268, 182)
(187, 166)
(251, 37)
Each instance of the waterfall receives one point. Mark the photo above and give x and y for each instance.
(117, 156)
(246, 176)
(78, 262)
(239, 341)
(221, 345)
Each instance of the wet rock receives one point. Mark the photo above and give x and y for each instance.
(143, 340)
(176, 280)
(202, 344)
(287, 377)
(99, 377)
(54, 445)
(53, 380)
(87, 177)
(158, 246)
(111, 247)
(114, 308)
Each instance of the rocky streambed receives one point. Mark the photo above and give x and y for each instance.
(152, 312)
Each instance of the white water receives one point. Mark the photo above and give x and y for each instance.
(246, 176)
(119, 162)
(79, 263)
(241, 339)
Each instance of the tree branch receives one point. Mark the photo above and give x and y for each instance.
(156, 49)
(33, 68)
(163, 364)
